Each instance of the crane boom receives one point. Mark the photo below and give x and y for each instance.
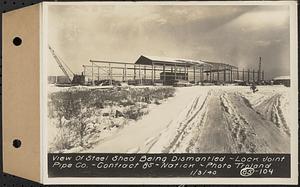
(59, 63)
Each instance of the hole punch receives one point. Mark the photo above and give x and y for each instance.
(17, 41)
(17, 143)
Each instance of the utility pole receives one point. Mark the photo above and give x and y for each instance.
(259, 70)
(93, 83)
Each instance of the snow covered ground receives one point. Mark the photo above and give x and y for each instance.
(209, 119)
(81, 116)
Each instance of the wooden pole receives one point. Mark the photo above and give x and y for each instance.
(248, 75)
(110, 74)
(237, 74)
(218, 74)
(253, 75)
(145, 73)
(175, 70)
(210, 74)
(134, 72)
(224, 74)
(243, 74)
(194, 74)
(98, 73)
(93, 74)
(230, 74)
(200, 74)
(164, 73)
(152, 74)
(184, 72)
(140, 74)
(187, 73)
(263, 75)
(259, 70)
(125, 73)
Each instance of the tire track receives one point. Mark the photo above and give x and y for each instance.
(193, 119)
(153, 140)
(192, 146)
(255, 134)
(270, 109)
(237, 125)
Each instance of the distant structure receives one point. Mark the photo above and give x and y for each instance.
(172, 69)
(61, 79)
(149, 70)
(282, 80)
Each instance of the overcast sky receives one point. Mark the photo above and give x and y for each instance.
(232, 34)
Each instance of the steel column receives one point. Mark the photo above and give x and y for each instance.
(248, 75)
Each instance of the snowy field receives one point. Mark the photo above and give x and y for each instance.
(204, 119)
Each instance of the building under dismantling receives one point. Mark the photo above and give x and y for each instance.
(149, 70)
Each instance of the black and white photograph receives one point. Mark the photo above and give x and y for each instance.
(168, 78)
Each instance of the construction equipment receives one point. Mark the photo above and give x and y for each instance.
(74, 79)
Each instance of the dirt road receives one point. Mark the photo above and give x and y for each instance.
(207, 120)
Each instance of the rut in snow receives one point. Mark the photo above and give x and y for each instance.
(188, 127)
(238, 126)
(251, 133)
(178, 133)
(271, 110)
(208, 120)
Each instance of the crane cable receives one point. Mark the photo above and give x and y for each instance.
(65, 65)
(61, 60)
